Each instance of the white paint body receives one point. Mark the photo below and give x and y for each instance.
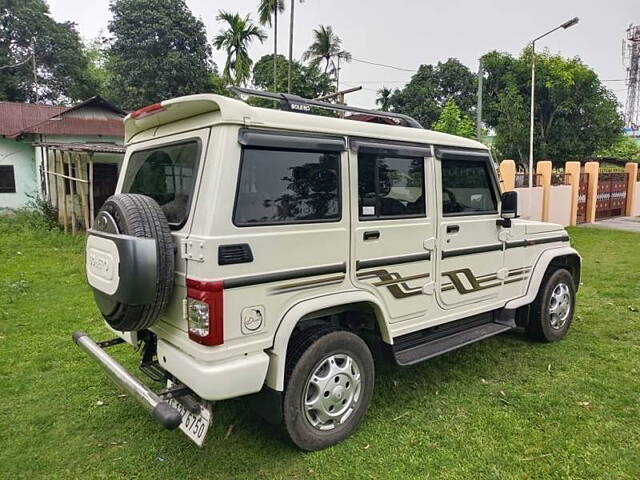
(249, 360)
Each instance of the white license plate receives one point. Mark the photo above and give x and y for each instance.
(194, 425)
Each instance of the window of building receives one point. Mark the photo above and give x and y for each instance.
(278, 186)
(390, 186)
(467, 188)
(7, 179)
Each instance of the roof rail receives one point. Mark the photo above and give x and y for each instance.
(295, 103)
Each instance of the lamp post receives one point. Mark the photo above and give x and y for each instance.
(565, 25)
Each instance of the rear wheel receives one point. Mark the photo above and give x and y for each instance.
(552, 311)
(330, 377)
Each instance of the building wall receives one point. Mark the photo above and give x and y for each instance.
(635, 209)
(20, 154)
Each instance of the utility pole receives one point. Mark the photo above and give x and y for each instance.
(632, 107)
(479, 107)
(35, 70)
(293, 2)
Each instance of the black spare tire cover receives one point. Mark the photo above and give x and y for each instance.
(137, 216)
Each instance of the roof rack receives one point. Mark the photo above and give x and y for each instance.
(295, 103)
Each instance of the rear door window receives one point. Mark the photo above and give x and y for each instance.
(165, 173)
(390, 186)
(278, 186)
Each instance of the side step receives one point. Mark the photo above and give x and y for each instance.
(408, 353)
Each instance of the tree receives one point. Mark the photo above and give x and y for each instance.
(27, 31)
(306, 81)
(624, 148)
(430, 88)
(454, 122)
(575, 115)
(266, 10)
(159, 50)
(237, 37)
(384, 98)
(327, 47)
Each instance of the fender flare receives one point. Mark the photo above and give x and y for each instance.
(278, 353)
(543, 262)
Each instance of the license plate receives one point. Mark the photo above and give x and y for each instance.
(194, 425)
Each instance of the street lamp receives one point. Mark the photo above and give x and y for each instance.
(565, 25)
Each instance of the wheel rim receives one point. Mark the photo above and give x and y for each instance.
(559, 306)
(332, 391)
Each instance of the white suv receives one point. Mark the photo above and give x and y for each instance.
(251, 251)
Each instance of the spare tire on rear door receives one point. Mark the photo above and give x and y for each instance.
(130, 261)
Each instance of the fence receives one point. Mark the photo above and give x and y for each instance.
(576, 194)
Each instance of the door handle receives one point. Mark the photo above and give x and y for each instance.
(371, 235)
(453, 228)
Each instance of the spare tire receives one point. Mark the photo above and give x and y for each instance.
(137, 216)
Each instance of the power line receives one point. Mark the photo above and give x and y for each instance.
(383, 65)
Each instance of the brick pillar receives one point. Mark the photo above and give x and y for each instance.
(508, 175)
(592, 168)
(631, 169)
(573, 170)
(544, 168)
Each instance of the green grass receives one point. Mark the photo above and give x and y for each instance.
(503, 408)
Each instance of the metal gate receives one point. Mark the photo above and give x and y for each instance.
(612, 194)
(582, 198)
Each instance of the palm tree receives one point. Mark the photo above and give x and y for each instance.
(326, 47)
(384, 98)
(266, 9)
(235, 40)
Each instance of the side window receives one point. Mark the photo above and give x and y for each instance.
(390, 186)
(7, 179)
(467, 188)
(286, 186)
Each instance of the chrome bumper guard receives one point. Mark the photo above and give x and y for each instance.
(168, 416)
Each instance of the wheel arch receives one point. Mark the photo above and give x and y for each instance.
(314, 309)
(564, 257)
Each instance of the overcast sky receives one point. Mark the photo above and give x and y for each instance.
(407, 33)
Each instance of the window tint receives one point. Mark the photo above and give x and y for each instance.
(166, 174)
(467, 188)
(390, 186)
(283, 186)
(7, 179)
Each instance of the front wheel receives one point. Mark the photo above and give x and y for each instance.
(329, 387)
(552, 311)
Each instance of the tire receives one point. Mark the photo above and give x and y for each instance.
(557, 293)
(138, 216)
(323, 354)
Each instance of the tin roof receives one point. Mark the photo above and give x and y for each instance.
(94, 116)
(82, 147)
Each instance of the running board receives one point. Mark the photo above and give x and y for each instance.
(432, 347)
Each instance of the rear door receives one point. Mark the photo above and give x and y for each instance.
(470, 270)
(166, 169)
(393, 227)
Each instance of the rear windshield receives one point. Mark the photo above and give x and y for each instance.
(166, 174)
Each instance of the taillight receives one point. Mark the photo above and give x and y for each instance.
(146, 111)
(205, 312)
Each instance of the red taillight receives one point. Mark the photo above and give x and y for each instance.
(205, 311)
(146, 111)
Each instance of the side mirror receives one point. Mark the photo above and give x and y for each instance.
(509, 208)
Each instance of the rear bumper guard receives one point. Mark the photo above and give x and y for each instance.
(168, 416)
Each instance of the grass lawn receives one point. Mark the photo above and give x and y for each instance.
(503, 408)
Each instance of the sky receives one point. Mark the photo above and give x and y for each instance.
(407, 33)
